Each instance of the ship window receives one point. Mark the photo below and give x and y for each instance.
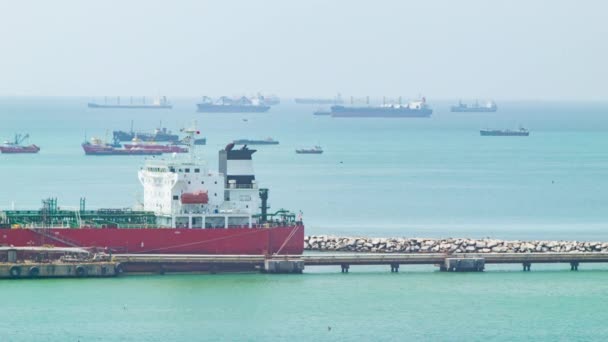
(215, 182)
(215, 194)
(172, 169)
(197, 170)
(187, 170)
(188, 182)
(180, 170)
(202, 182)
(175, 198)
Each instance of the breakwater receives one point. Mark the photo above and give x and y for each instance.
(327, 243)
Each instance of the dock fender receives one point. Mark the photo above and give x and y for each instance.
(34, 271)
(15, 271)
(118, 268)
(81, 271)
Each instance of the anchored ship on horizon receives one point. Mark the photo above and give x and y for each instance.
(157, 103)
(489, 106)
(226, 104)
(521, 132)
(413, 109)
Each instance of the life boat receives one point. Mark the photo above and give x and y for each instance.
(200, 197)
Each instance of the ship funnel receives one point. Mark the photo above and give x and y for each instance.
(237, 166)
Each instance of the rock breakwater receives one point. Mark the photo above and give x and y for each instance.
(327, 243)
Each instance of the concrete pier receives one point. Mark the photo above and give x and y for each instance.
(172, 263)
(466, 262)
(57, 270)
(283, 265)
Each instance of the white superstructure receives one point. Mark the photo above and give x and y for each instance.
(185, 193)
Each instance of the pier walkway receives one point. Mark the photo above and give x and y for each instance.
(296, 263)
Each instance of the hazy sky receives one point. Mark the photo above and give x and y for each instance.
(443, 49)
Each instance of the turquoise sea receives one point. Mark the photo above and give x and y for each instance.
(394, 177)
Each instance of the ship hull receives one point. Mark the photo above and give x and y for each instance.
(128, 136)
(503, 134)
(308, 152)
(94, 150)
(158, 148)
(95, 105)
(21, 149)
(379, 112)
(211, 108)
(249, 241)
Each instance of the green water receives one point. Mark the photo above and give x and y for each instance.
(431, 177)
(369, 303)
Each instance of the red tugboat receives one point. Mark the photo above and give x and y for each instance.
(187, 208)
(17, 147)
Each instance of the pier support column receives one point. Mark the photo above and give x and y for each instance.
(344, 268)
(574, 266)
(394, 268)
(526, 266)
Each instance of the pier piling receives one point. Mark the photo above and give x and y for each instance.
(574, 266)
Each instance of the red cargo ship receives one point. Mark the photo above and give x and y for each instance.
(187, 208)
(17, 147)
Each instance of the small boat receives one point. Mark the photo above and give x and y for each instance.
(322, 112)
(314, 150)
(267, 141)
(16, 145)
(521, 132)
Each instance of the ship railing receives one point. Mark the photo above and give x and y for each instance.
(276, 224)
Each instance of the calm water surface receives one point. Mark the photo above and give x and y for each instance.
(421, 177)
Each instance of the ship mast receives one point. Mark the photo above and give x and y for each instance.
(190, 134)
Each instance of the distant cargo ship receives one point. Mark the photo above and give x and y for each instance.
(159, 103)
(227, 105)
(489, 106)
(97, 147)
(314, 150)
(521, 132)
(314, 100)
(16, 146)
(267, 141)
(159, 134)
(415, 109)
